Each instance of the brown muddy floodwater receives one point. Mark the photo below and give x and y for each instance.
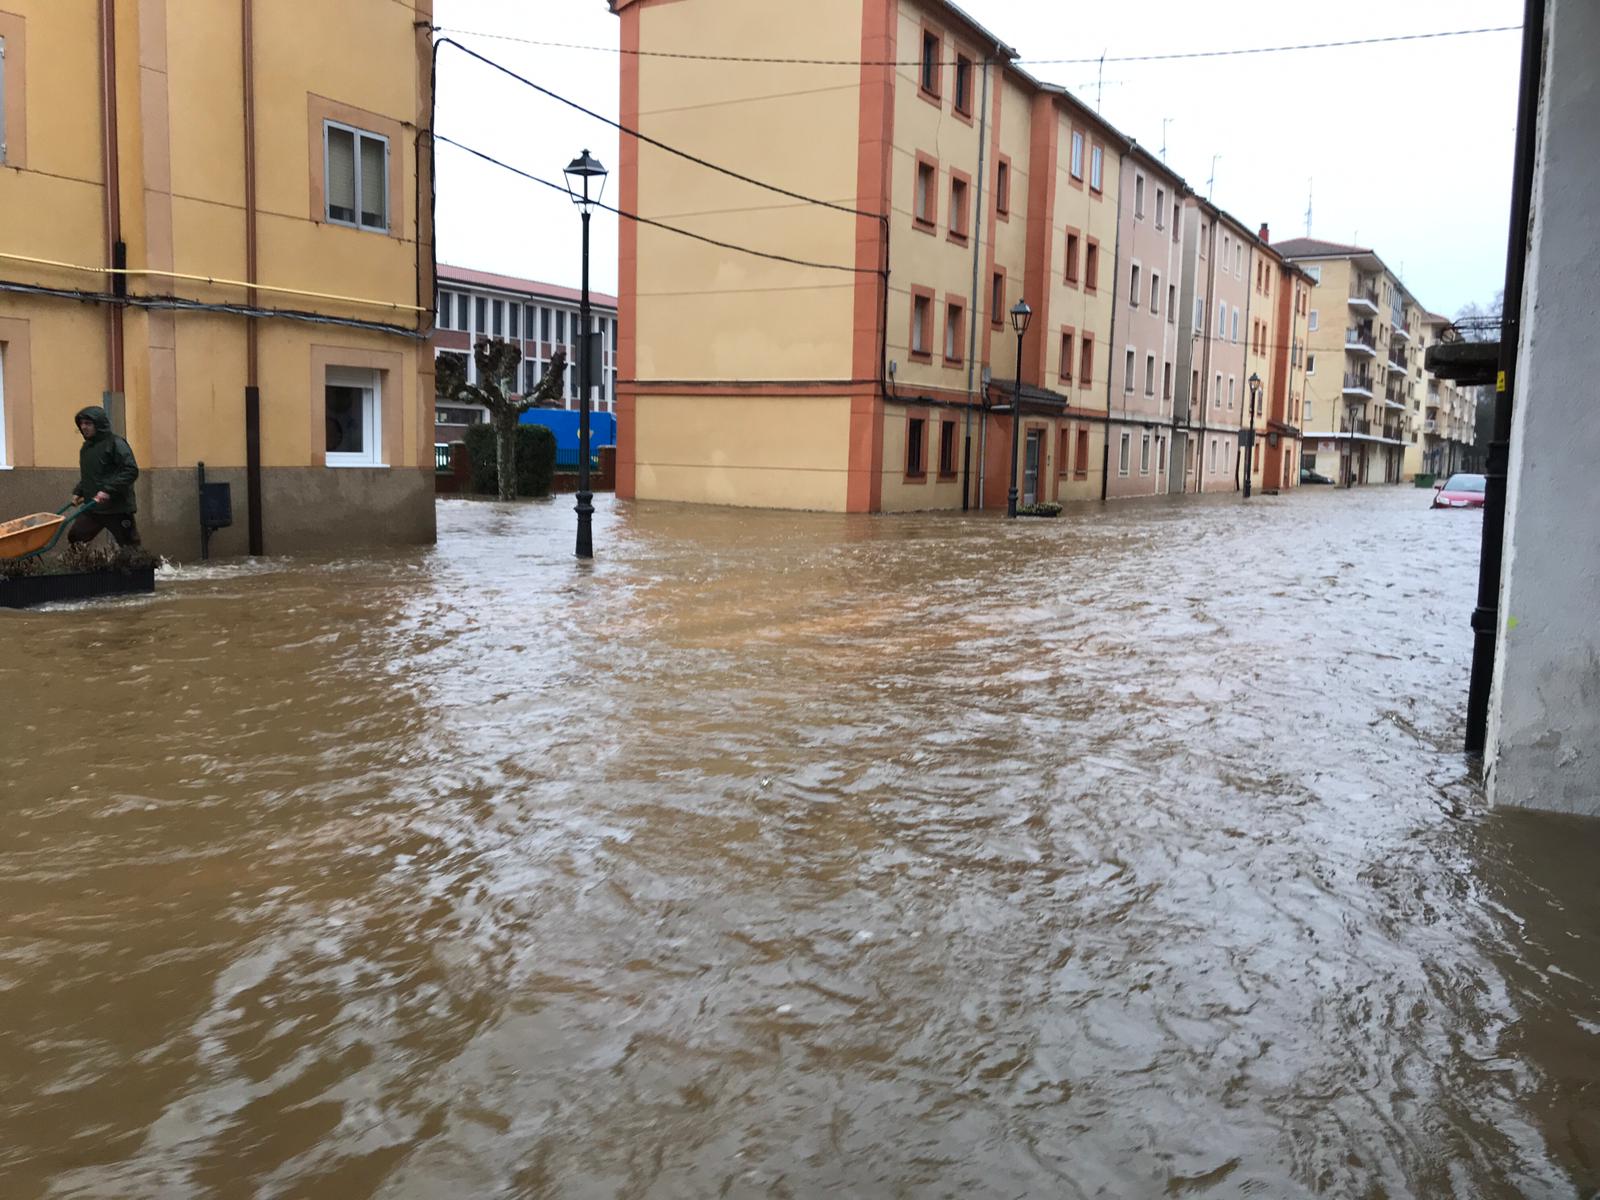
(1125, 855)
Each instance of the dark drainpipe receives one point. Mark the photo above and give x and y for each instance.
(252, 390)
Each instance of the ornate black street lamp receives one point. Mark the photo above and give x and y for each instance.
(1021, 314)
(586, 183)
(1250, 433)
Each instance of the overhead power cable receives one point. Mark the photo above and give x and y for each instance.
(858, 62)
(699, 237)
(646, 138)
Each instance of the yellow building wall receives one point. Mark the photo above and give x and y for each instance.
(1095, 217)
(751, 451)
(711, 314)
(1011, 236)
(1325, 387)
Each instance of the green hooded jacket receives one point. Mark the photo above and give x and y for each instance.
(106, 464)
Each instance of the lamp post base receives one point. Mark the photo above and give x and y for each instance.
(1011, 502)
(585, 510)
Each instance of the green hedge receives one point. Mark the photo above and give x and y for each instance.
(536, 459)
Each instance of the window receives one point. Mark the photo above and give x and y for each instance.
(1133, 285)
(1175, 226)
(1072, 257)
(1086, 360)
(1091, 266)
(1144, 454)
(921, 324)
(481, 311)
(997, 298)
(1311, 321)
(1213, 455)
(1138, 198)
(947, 449)
(916, 434)
(561, 328)
(1231, 384)
(1161, 455)
(1122, 453)
(963, 96)
(1161, 207)
(1199, 314)
(497, 314)
(958, 207)
(1226, 243)
(1238, 260)
(13, 92)
(1166, 381)
(1155, 292)
(1149, 374)
(1221, 331)
(1127, 371)
(1002, 188)
(530, 323)
(1097, 167)
(1204, 229)
(544, 324)
(932, 50)
(1216, 394)
(1065, 366)
(514, 321)
(1311, 364)
(532, 371)
(351, 408)
(1080, 468)
(1316, 275)
(954, 320)
(1235, 326)
(926, 209)
(356, 174)
(1077, 155)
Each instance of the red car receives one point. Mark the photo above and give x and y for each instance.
(1459, 491)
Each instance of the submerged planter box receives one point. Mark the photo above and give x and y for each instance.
(32, 590)
(1040, 510)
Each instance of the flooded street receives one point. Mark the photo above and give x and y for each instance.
(1129, 854)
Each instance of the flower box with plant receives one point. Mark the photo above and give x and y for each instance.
(1046, 508)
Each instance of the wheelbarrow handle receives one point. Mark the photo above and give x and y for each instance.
(87, 505)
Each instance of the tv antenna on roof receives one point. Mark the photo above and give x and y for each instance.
(1310, 185)
(1100, 84)
(1165, 121)
(1210, 183)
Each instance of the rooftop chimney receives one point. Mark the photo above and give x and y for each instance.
(1265, 235)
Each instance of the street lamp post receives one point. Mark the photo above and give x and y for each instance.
(1021, 314)
(1250, 433)
(582, 172)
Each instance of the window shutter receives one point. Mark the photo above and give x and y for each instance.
(374, 183)
(341, 181)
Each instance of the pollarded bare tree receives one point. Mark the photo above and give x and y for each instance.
(497, 377)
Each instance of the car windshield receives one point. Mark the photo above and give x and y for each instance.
(1464, 483)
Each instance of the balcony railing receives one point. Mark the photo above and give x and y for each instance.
(1361, 340)
(1356, 427)
(441, 457)
(1397, 362)
(1356, 381)
(1401, 332)
(1430, 427)
(1363, 295)
(1393, 433)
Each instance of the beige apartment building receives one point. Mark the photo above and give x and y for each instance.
(1363, 363)
(876, 369)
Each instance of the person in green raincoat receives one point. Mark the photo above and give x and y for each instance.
(106, 471)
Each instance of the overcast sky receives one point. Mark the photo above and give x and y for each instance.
(1409, 145)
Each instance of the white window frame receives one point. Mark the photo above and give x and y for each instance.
(1129, 366)
(1144, 454)
(1236, 325)
(1076, 165)
(1161, 207)
(327, 153)
(1155, 292)
(1149, 374)
(1311, 321)
(371, 382)
(1138, 196)
(1199, 314)
(1213, 467)
(1097, 167)
(1125, 453)
(1135, 274)
(1232, 384)
(1221, 330)
(1316, 275)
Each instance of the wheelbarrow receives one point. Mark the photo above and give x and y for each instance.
(33, 535)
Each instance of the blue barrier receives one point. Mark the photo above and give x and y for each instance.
(564, 425)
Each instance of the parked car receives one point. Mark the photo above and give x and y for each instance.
(1307, 475)
(1459, 491)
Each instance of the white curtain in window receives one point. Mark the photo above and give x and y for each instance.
(374, 183)
(341, 174)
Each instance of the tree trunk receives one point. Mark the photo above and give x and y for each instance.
(505, 447)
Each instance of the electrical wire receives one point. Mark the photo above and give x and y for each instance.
(646, 138)
(710, 241)
(855, 62)
(183, 304)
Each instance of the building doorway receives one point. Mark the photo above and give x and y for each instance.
(1030, 471)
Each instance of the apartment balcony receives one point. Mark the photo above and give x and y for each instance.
(1358, 383)
(1397, 362)
(1393, 433)
(1394, 405)
(1430, 426)
(1360, 339)
(1364, 296)
(1401, 332)
(1358, 427)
